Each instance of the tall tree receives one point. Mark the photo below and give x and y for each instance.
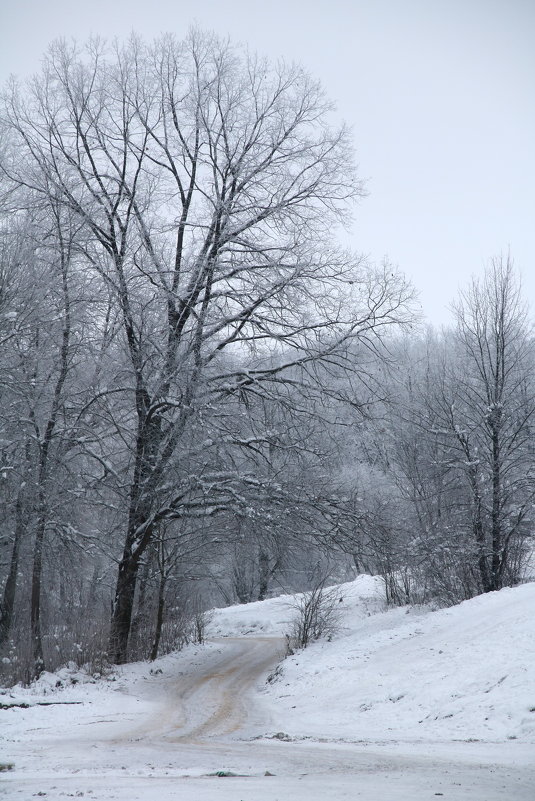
(207, 182)
(461, 440)
(491, 415)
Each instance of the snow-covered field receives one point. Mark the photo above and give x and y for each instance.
(401, 704)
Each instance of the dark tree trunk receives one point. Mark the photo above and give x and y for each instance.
(159, 619)
(140, 618)
(35, 604)
(8, 601)
(123, 606)
(264, 574)
(482, 557)
(496, 565)
(44, 463)
(140, 528)
(477, 520)
(139, 537)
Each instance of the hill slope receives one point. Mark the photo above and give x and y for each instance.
(463, 673)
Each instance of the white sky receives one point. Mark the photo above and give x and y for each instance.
(440, 94)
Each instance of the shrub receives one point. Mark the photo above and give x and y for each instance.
(318, 614)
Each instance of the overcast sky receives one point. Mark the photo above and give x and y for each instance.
(440, 95)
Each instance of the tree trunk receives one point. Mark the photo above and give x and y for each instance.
(8, 602)
(482, 561)
(477, 523)
(140, 618)
(140, 529)
(159, 619)
(496, 567)
(122, 608)
(264, 574)
(44, 467)
(35, 609)
(139, 536)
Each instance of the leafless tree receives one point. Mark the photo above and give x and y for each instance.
(491, 414)
(207, 183)
(460, 442)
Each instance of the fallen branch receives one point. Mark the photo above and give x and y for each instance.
(24, 705)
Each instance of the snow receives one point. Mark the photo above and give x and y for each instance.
(401, 705)
(411, 674)
(273, 617)
(465, 673)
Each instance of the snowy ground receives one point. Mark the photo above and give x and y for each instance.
(402, 704)
(464, 673)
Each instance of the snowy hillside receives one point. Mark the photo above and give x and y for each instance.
(273, 617)
(464, 673)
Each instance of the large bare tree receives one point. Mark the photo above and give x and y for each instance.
(207, 183)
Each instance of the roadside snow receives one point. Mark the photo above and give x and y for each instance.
(273, 617)
(464, 673)
(412, 674)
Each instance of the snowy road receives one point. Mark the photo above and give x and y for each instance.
(167, 736)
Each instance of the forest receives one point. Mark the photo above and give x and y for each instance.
(204, 398)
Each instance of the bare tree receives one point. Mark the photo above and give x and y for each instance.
(492, 414)
(38, 359)
(460, 442)
(207, 183)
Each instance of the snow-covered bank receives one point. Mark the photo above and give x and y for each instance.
(463, 673)
(359, 598)
(64, 703)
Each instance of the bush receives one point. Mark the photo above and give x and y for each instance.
(318, 615)
(199, 622)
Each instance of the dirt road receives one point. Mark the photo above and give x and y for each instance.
(215, 701)
(205, 734)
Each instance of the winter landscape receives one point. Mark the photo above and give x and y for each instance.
(267, 495)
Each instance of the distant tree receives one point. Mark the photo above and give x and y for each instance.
(13, 454)
(460, 442)
(491, 416)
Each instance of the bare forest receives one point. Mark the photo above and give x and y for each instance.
(204, 398)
